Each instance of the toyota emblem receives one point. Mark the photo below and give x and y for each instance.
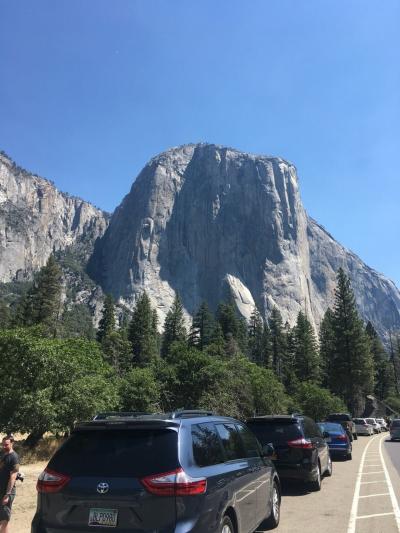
(102, 488)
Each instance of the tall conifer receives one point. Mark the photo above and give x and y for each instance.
(306, 354)
(352, 372)
(141, 334)
(174, 326)
(107, 321)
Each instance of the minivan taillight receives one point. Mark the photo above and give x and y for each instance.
(50, 481)
(303, 443)
(174, 483)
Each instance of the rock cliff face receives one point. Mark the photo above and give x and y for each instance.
(208, 221)
(37, 219)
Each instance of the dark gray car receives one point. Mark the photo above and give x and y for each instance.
(183, 472)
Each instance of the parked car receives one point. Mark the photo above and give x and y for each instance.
(362, 427)
(382, 423)
(376, 427)
(186, 471)
(337, 439)
(395, 429)
(345, 420)
(300, 449)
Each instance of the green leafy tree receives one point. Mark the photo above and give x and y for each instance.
(77, 322)
(316, 402)
(140, 391)
(352, 371)
(142, 334)
(174, 327)
(51, 383)
(306, 354)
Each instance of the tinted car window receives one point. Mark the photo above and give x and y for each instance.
(395, 424)
(207, 448)
(310, 429)
(230, 441)
(359, 421)
(338, 417)
(275, 431)
(251, 446)
(128, 453)
(331, 427)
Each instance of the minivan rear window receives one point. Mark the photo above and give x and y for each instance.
(122, 453)
(275, 431)
(339, 417)
(395, 424)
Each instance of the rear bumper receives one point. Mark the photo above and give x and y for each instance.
(297, 471)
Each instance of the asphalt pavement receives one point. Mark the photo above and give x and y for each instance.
(361, 496)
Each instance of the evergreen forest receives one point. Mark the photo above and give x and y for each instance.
(57, 369)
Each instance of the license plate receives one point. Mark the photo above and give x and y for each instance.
(103, 517)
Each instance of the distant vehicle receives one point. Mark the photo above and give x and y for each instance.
(345, 420)
(362, 427)
(372, 421)
(300, 448)
(395, 429)
(337, 439)
(188, 471)
(382, 423)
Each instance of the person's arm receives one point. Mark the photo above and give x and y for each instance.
(11, 482)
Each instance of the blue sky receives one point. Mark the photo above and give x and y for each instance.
(91, 89)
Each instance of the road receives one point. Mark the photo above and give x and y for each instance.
(361, 496)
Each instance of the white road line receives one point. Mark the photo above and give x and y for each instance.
(369, 482)
(371, 465)
(373, 515)
(375, 472)
(373, 495)
(354, 507)
(395, 504)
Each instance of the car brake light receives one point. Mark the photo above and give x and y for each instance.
(341, 437)
(174, 483)
(305, 444)
(50, 481)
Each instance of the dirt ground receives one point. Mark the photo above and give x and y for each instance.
(25, 501)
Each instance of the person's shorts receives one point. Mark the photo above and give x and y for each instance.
(5, 510)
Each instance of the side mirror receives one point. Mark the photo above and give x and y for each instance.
(268, 450)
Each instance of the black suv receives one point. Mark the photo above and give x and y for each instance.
(181, 472)
(300, 449)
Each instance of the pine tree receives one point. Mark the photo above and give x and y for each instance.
(42, 303)
(384, 379)
(267, 346)
(5, 315)
(278, 342)
(174, 327)
(327, 348)
(306, 354)
(107, 321)
(352, 372)
(233, 326)
(142, 335)
(256, 346)
(201, 332)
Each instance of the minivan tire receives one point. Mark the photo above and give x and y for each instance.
(226, 525)
(355, 436)
(315, 485)
(273, 520)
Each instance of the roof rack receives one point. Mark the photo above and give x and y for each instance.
(120, 414)
(187, 413)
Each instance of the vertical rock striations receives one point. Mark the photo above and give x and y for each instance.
(211, 222)
(37, 219)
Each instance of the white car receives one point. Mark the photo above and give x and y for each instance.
(383, 424)
(362, 427)
(374, 424)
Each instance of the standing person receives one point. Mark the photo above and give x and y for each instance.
(9, 466)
